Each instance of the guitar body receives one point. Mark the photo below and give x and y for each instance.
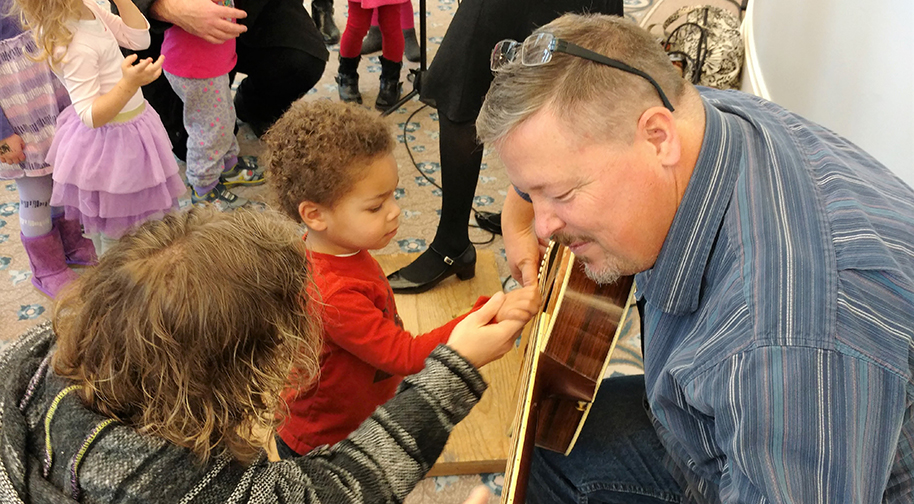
(568, 349)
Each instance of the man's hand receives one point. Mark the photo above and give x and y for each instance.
(11, 149)
(143, 72)
(522, 247)
(203, 18)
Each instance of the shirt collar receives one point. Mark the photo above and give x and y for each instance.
(674, 283)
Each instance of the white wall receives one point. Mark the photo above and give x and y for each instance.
(846, 64)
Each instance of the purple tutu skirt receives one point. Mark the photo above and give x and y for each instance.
(114, 177)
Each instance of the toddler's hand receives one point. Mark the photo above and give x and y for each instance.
(520, 304)
(480, 342)
(143, 72)
(11, 149)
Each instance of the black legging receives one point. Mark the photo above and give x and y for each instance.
(461, 157)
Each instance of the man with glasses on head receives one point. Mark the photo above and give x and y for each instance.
(456, 83)
(774, 265)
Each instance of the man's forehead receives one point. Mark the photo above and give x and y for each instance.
(540, 151)
(534, 175)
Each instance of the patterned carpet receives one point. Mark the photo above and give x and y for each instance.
(22, 306)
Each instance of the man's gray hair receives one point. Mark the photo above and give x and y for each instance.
(592, 99)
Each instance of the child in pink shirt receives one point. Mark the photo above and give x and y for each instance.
(198, 71)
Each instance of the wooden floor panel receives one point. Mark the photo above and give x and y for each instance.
(479, 444)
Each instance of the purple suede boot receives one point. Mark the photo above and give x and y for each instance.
(77, 248)
(47, 261)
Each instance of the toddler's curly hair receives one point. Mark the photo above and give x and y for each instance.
(317, 150)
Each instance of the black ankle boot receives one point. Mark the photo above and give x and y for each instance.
(372, 42)
(411, 50)
(391, 87)
(322, 13)
(429, 269)
(348, 80)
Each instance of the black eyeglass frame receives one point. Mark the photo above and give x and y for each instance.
(563, 46)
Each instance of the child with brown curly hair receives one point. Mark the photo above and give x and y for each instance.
(331, 167)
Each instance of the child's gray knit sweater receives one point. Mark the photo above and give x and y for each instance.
(380, 462)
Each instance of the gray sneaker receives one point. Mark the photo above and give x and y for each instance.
(220, 197)
(242, 174)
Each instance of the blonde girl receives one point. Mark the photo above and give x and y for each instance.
(113, 166)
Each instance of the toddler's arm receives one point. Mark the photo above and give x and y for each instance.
(107, 106)
(131, 15)
(352, 321)
(130, 29)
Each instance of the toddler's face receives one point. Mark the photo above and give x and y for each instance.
(368, 216)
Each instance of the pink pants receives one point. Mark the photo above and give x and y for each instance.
(390, 20)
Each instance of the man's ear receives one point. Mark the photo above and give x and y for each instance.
(312, 215)
(658, 127)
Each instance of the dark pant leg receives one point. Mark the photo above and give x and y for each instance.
(276, 77)
(321, 4)
(617, 458)
(164, 100)
(461, 157)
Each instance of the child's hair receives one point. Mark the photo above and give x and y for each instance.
(48, 20)
(190, 328)
(315, 151)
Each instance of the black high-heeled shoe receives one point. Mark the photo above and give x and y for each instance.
(405, 281)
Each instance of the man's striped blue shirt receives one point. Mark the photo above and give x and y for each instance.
(779, 316)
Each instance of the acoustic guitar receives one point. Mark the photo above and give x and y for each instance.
(565, 358)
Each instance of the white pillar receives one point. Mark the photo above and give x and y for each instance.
(846, 64)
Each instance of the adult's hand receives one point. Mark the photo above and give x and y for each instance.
(479, 495)
(479, 339)
(522, 247)
(520, 304)
(210, 21)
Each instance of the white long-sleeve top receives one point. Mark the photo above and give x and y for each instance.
(91, 65)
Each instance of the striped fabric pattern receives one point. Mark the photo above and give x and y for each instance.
(780, 315)
(379, 463)
(30, 98)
